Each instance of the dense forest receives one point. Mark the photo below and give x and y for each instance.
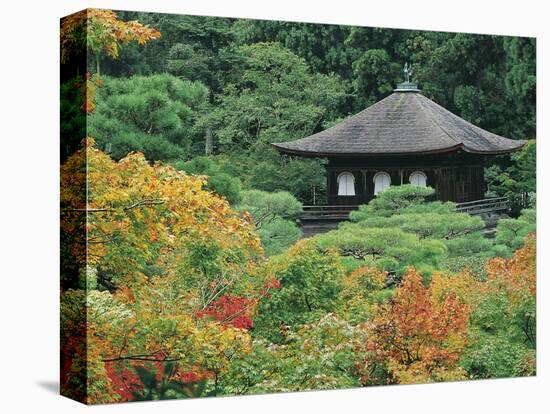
(185, 251)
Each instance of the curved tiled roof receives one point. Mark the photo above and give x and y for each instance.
(400, 124)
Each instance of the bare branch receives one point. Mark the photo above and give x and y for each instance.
(140, 203)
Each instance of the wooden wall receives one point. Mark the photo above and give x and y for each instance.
(455, 177)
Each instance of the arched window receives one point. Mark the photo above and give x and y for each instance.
(382, 180)
(346, 184)
(418, 178)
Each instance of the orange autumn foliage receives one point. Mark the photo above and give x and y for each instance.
(516, 276)
(102, 31)
(119, 219)
(417, 337)
(119, 215)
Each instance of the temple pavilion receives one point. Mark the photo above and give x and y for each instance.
(404, 138)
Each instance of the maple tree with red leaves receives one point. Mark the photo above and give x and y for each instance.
(231, 310)
(237, 311)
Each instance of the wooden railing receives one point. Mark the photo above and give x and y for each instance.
(326, 212)
(488, 205)
(336, 212)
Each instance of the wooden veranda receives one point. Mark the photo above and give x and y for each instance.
(322, 218)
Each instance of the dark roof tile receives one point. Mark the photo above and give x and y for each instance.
(402, 123)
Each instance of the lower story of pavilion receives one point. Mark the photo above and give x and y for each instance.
(455, 177)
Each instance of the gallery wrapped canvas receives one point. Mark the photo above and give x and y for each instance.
(253, 206)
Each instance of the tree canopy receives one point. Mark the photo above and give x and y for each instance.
(150, 114)
(183, 270)
(270, 81)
